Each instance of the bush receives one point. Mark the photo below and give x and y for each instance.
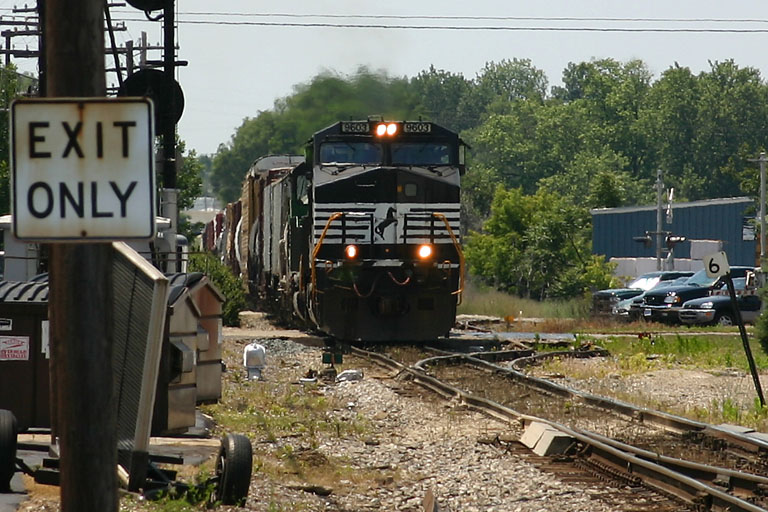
(227, 283)
(761, 325)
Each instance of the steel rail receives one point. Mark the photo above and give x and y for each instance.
(630, 465)
(673, 423)
(738, 482)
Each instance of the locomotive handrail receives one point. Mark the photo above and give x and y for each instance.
(313, 263)
(439, 216)
(457, 246)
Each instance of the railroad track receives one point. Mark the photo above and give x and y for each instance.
(718, 468)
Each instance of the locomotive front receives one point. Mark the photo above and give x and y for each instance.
(385, 255)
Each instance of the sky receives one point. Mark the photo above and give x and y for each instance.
(242, 56)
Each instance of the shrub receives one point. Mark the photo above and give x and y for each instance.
(227, 283)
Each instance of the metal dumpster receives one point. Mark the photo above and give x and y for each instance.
(190, 369)
(24, 352)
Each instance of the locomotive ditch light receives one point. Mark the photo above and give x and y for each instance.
(351, 252)
(425, 251)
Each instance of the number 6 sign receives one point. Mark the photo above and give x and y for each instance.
(716, 264)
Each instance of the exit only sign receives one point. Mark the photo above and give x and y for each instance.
(82, 169)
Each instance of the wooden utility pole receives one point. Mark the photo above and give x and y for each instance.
(80, 297)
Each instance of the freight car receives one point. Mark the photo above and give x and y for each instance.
(360, 238)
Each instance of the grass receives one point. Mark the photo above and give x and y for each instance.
(702, 351)
(645, 354)
(477, 300)
(287, 424)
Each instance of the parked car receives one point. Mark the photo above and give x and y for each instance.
(663, 305)
(631, 310)
(718, 309)
(605, 301)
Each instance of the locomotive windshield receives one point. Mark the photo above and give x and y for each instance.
(402, 153)
(350, 153)
(421, 153)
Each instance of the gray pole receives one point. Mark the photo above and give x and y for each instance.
(80, 299)
(762, 208)
(659, 235)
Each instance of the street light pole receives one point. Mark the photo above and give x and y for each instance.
(659, 186)
(762, 159)
(762, 208)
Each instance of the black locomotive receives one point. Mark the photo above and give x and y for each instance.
(360, 238)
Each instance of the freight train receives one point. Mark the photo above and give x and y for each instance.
(361, 237)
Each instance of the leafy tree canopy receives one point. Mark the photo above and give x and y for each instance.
(12, 84)
(324, 100)
(536, 246)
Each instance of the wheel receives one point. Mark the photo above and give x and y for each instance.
(7, 449)
(233, 469)
(724, 319)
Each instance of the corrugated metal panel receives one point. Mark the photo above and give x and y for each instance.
(24, 291)
(139, 318)
(613, 229)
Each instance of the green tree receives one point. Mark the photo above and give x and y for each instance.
(513, 80)
(189, 179)
(498, 86)
(732, 123)
(324, 100)
(536, 246)
(440, 93)
(11, 85)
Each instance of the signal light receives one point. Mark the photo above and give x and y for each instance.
(388, 129)
(424, 251)
(351, 251)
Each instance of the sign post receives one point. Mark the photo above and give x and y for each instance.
(80, 285)
(716, 265)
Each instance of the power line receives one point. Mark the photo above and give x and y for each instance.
(468, 27)
(476, 18)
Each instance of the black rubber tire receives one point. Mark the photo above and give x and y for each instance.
(7, 449)
(233, 469)
(724, 319)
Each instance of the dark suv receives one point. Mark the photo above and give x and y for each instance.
(664, 304)
(717, 309)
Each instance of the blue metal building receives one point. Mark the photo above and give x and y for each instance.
(729, 219)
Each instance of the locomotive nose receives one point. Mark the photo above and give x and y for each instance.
(391, 306)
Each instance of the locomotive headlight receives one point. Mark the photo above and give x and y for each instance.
(351, 252)
(424, 251)
(388, 129)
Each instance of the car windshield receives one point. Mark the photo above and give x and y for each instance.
(645, 282)
(739, 284)
(673, 282)
(700, 278)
